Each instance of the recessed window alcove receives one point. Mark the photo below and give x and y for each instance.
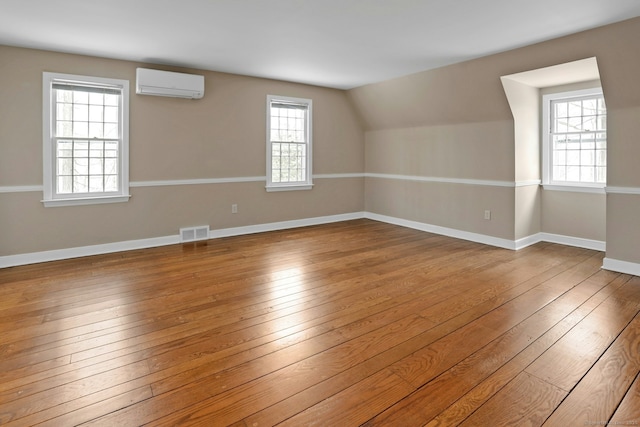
(570, 212)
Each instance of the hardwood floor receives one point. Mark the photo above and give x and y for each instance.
(344, 324)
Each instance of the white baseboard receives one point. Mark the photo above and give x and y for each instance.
(450, 232)
(596, 245)
(283, 225)
(621, 266)
(59, 254)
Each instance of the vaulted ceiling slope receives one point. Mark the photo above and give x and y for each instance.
(334, 43)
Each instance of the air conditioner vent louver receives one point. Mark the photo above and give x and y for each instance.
(193, 234)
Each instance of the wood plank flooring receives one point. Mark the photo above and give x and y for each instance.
(346, 324)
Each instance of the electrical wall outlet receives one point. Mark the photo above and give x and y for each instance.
(234, 208)
(487, 214)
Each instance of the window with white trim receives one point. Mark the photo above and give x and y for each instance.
(288, 143)
(86, 139)
(575, 139)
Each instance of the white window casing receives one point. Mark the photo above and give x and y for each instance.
(289, 143)
(85, 140)
(574, 141)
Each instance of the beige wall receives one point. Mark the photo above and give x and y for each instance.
(582, 215)
(471, 94)
(524, 102)
(451, 124)
(219, 136)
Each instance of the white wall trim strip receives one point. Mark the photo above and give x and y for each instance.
(239, 179)
(490, 183)
(623, 190)
(21, 189)
(59, 254)
(338, 175)
(199, 181)
(528, 183)
(172, 182)
(625, 267)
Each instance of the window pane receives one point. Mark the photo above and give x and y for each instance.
(80, 184)
(80, 97)
(588, 158)
(602, 109)
(110, 149)
(588, 141)
(96, 184)
(80, 166)
(573, 141)
(64, 96)
(111, 130)
(602, 123)
(96, 130)
(95, 167)
(65, 166)
(575, 124)
(590, 106)
(65, 148)
(573, 173)
(80, 129)
(81, 149)
(111, 99)
(64, 112)
(96, 113)
(96, 98)
(65, 184)
(575, 108)
(573, 157)
(559, 173)
(80, 113)
(561, 109)
(111, 114)
(110, 183)
(96, 149)
(64, 129)
(589, 123)
(587, 174)
(561, 125)
(110, 166)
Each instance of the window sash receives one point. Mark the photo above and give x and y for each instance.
(289, 142)
(575, 146)
(87, 170)
(85, 140)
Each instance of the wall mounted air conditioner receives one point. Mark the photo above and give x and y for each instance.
(168, 83)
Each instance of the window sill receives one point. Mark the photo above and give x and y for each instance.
(85, 201)
(574, 188)
(271, 189)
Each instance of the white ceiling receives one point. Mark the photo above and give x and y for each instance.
(334, 43)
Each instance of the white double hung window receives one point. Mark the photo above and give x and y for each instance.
(86, 141)
(575, 139)
(288, 143)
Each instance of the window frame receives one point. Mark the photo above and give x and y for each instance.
(51, 198)
(307, 183)
(547, 149)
